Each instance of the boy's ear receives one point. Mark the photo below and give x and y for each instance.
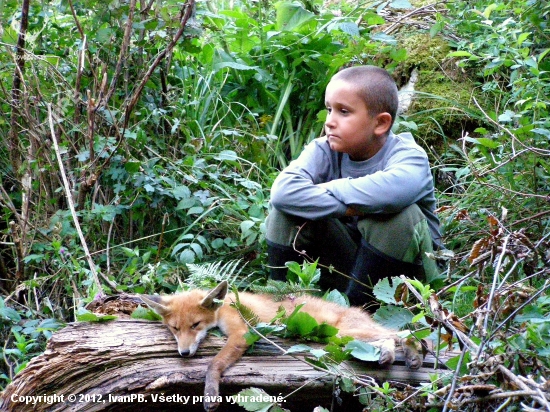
(383, 123)
(215, 297)
(157, 303)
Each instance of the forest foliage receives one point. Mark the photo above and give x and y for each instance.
(140, 140)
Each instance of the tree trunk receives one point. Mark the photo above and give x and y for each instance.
(98, 363)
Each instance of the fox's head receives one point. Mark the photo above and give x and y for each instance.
(189, 315)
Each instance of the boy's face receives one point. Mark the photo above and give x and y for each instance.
(349, 126)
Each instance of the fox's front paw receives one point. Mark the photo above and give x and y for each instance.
(387, 356)
(413, 356)
(210, 406)
(211, 397)
(387, 351)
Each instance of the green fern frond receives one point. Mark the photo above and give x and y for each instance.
(280, 290)
(247, 314)
(208, 274)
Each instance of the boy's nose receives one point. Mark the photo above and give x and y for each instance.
(329, 122)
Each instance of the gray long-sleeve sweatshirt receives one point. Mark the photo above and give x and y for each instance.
(320, 183)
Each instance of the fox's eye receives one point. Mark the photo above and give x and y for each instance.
(194, 325)
(175, 328)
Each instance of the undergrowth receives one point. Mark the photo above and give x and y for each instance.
(142, 139)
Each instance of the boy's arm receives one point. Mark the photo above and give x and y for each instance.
(296, 190)
(404, 181)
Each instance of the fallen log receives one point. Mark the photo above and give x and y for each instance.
(133, 365)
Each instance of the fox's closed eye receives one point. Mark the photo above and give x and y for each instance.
(194, 325)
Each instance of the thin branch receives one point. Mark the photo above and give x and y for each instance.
(492, 295)
(122, 56)
(520, 308)
(13, 136)
(69, 199)
(541, 152)
(186, 13)
(455, 379)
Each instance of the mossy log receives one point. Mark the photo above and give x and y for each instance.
(103, 364)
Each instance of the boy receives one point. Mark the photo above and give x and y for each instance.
(366, 195)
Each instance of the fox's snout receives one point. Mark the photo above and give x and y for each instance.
(184, 352)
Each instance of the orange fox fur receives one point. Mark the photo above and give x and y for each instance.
(189, 316)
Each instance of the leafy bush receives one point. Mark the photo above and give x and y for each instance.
(159, 129)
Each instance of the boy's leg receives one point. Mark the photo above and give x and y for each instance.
(391, 246)
(329, 240)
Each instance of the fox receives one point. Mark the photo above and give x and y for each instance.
(189, 315)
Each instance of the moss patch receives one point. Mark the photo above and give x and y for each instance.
(441, 107)
(444, 94)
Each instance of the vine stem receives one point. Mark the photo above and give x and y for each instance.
(492, 295)
(69, 198)
(311, 260)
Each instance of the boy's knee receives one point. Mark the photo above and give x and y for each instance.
(281, 228)
(398, 235)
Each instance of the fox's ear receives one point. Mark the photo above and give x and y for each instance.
(156, 303)
(215, 297)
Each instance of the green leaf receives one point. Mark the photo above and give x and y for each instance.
(9, 313)
(291, 16)
(246, 226)
(301, 324)
(253, 399)
(543, 132)
(393, 317)
(337, 351)
(522, 37)
(349, 28)
(251, 337)
(337, 297)
(507, 116)
(489, 143)
(186, 203)
(453, 363)
(422, 334)
(145, 313)
(233, 65)
(132, 167)
(195, 210)
(187, 256)
(363, 351)
(318, 353)
(460, 53)
(385, 292)
(324, 330)
(489, 9)
(298, 348)
(84, 315)
(384, 38)
(227, 155)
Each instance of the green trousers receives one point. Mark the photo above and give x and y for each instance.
(402, 237)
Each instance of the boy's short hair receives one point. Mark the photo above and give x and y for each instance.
(375, 86)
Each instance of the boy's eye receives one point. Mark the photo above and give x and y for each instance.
(194, 325)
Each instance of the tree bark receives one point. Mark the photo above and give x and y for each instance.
(98, 363)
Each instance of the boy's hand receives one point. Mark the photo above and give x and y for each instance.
(353, 212)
